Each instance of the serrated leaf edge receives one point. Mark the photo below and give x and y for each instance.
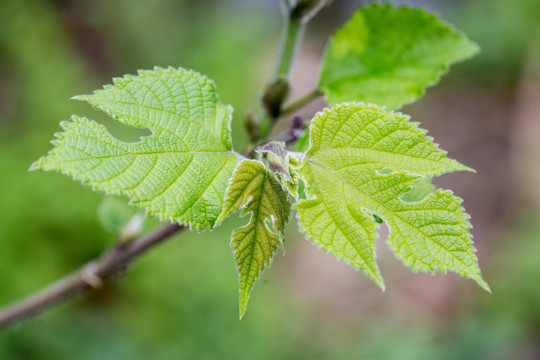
(36, 165)
(404, 118)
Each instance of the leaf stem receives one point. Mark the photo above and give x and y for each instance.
(291, 38)
(90, 276)
(301, 102)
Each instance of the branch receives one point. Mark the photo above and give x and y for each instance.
(291, 39)
(300, 103)
(278, 85)
(90, 276)
(293, 133)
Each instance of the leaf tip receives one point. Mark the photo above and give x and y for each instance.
(462, 167)
(36, 165)
(244, 298)
(80, 97)
(457, 166)
(377, 279)
(219, 220)
(484, 285)
(242, 312)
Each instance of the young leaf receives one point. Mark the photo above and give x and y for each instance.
(278, 160)
(254, 189)
(388, 55)
(362, 159)
(180, 172)
(275, 156)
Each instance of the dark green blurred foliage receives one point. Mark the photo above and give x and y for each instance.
(180, 300)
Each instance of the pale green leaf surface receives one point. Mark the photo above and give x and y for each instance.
(333, 219)
(358, 135)
(253, 189)
(180, 172)
(388, 56)
(361, 161)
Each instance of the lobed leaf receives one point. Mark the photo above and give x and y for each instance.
(388, 56)
(180, 172)
(361, 161)
(254, 189)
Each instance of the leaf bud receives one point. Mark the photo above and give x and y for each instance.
(274, 96)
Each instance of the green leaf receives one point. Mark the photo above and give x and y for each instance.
(388, 55)
(180, 172)
(361, 161)
(254, 189)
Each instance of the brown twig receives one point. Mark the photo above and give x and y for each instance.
(90, 276)
(288, 136)
(293, 133)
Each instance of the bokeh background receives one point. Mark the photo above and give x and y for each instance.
(180, 301)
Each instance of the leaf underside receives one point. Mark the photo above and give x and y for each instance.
(180, 172)
(362, 159)
(388, 56)
(253, 189)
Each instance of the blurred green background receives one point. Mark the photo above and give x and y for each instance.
(180, 300)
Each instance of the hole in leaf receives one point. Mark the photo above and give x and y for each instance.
(419, 191)
(122, 132)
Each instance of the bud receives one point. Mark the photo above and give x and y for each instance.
(274, 96)
(276, 158)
